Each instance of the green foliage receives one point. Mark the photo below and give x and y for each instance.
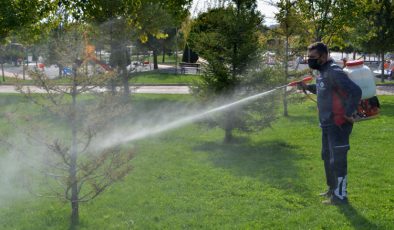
(228, 39)
(161, 25)
(16, 14)
(327, 18)
(378, 26)
(290, 20)
(137, 13)
(260, 113)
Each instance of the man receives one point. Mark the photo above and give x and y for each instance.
(337, 101)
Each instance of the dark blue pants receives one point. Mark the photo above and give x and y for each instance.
(335, 145)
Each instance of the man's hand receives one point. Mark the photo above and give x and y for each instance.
(351, 119)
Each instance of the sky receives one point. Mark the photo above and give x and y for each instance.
(263, 6)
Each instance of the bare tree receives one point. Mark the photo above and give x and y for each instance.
(75, 170)
(290, 25)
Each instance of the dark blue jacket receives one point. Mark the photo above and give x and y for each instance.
(337, 95)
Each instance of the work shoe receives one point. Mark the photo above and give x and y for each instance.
(326, 194)
(334, 200)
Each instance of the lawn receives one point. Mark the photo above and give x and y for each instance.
(168, 59)
(386, 82)
(150, 77)
(188, 179)
(153, 77)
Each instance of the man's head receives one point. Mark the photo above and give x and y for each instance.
(317, 55)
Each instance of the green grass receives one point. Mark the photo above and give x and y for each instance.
(163, 78)
(188, 179)
(168, 59)
(386, 82)
(13, 80)
(150, 77)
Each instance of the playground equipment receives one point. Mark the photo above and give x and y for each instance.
(91, 56)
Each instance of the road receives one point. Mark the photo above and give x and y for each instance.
(53, 71)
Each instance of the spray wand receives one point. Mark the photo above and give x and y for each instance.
(305, 80)
(302, 83)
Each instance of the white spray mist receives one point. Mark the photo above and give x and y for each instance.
(128, 134)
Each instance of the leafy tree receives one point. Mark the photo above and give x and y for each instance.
(169, 44)
(227, 38)
(114, 28)
(157, 17)
(2, 60)
(118, 35)
(142, 19)
(290, 24)
(14, 52)
(379, 28)
(17, 14)
(326, 18)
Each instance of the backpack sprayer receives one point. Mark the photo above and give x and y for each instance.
(361, 75)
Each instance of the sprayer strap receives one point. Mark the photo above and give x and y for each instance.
(334, 87)
(308, 96)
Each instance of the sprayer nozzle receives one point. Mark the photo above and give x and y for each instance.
(305, 80)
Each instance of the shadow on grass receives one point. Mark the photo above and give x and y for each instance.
(273, 162)
(357, 220)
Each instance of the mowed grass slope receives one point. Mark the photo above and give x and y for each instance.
(188, 179)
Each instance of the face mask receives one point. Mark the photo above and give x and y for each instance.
(313, 64)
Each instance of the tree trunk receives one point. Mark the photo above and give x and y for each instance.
(125, 79)
(164, 56)
(113, 86)
(112, 81)
(228, 137)
(73, 160)
(155, 65)
(60, 69)
(2, 70)
(382, 77)
(176, 51)
(285, 110)
(229, 119)
(23, 69)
